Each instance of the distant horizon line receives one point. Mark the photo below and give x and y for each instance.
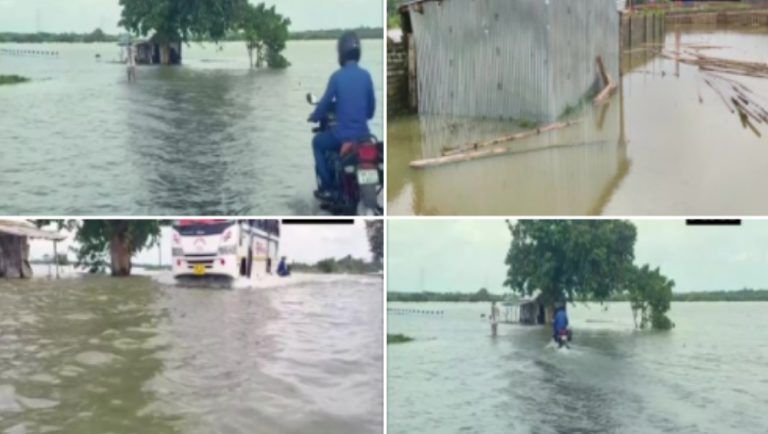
(503, 293)
(86, 32)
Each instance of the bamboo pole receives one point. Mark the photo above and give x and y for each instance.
(608, 83)
(508, 138)
(487, 148)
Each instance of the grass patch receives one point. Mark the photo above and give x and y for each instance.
(12, 79)
(398, 339)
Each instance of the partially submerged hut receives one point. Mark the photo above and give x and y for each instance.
(520, 59)
(14, 247)
(532, 309)
(154, 50)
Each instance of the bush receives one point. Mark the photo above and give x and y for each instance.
(660, 321)
(12, 79)
(398, 339)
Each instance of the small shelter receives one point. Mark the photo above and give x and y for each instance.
(532, 310)
(14, 247)
(155, 51)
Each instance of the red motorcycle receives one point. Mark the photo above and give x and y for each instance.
(563, 337)
(358, 170)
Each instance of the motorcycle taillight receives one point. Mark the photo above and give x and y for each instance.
(368, 153)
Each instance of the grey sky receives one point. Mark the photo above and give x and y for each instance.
(86, 15)
(465, 255)
(299, 243)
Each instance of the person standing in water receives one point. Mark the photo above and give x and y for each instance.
(131, 62)
(494, 317)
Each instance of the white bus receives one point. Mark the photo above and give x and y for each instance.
(225, 249)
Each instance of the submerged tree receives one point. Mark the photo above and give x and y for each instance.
(650, 294)
(569, 260)
(584, 260)
(112, 243)
(180, 20)
(265, 32)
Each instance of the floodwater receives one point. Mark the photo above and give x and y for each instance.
(98, 355)
(705, 375)
(665, 145)
(209, 138)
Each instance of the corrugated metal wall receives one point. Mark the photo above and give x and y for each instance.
(521, 59)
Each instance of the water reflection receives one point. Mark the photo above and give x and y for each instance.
(569, 171)
(657, 148)
(164, 152)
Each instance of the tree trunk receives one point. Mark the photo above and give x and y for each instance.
(549, 314)
(165, 53)
(120, 255)
(260, 56)
(14, 257)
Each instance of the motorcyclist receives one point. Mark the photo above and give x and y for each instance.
(283, 270)
(560, 322)
(350, 94)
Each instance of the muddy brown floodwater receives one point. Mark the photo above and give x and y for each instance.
(665, 145)
(105, 355)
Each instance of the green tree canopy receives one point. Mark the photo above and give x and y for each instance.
(181, 19)
(112, 243)
(570, 260)
(650, 293)
(265, 32)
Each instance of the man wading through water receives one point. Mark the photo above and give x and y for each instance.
(350, 95)
(131, 62)
(494, 317)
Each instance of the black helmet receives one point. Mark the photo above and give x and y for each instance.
(349, 48)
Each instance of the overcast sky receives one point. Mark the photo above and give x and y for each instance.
(465, 255)
(86, 15)
(300, 243)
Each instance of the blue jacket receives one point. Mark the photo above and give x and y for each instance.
(561, 321)
(351, 90)
(282, 269)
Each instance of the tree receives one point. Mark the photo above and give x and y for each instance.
(327, 266)
(180, 20)
(375, 230)
(569, 260)
(112, 243)
(97, 35)
(650, 293)
(265, 33)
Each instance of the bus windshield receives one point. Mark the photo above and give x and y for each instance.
(202, 227)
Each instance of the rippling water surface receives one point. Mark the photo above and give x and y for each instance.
(706, 375)
(209, 138)
(97, 355)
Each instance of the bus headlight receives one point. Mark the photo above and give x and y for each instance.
(175, 252)
(228, 250)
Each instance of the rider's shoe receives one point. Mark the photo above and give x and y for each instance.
(323, 195)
